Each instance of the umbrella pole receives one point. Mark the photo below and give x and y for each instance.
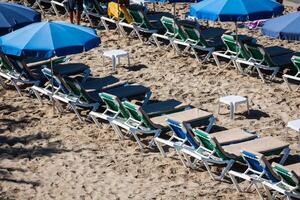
(52, 85)
(236, 34)
(174, 10)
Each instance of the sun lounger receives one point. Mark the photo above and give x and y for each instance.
(211, 151)
(56, 4)
(139, 122)
(116, 113)
(115, 15)
(280, 179)
(289, 183)
(235, 53)
(172, 32)
(263, 60)
(93, 9)
(62, 69)
(81, 97)
(16, 70)
(140, 24)
(40, 2)
(196, 41)
(182, 134)
(287, 78)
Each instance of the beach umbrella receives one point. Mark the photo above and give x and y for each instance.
(285, 27)
(236, 10)
(15, 16)
(49, 39)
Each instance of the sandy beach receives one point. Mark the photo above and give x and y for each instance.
(54, 156)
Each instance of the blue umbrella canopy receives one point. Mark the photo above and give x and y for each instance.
(49, 39)
(285, 27)
(14, 16)
(235, 10)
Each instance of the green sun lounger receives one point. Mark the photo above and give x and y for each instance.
(195, 41)
(296, 77)
(276, 178)
(141, 24)
(264, 61)
(212, 152)
(172, 32)
(92, 9)
(139, 122)
(115, 113)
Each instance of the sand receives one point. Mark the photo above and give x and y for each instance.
(51, 156)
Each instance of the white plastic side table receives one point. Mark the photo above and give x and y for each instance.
(233, 101)
(295, 125)
(115, 56)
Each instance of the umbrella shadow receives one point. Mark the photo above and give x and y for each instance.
(29, 146)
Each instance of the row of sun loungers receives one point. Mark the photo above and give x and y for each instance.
(109, 99)
(187, 36)
(172, 124)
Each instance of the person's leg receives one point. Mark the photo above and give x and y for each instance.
(71, 14)
(79, 9)
(78, 16)
(71, 8)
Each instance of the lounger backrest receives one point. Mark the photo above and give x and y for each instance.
(137, 114)
(93, 6)
(57, 82)
(6, 65)
(76, 89)
(209, 143)
(16, 63)
(194, 35)
(173, 28)
(296, 62)
(259, 164)
(140, 18)
(288, 177)
(113, 103)
(259, 54)
(230, 43)
(181, 131)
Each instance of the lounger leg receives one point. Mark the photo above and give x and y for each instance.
(258, 191)
(212, 121)
(208, 55)
(95, 120)
(15, 84)
(161, 150)
(217, 60)
(260, 74)
(138, 140)
(38, 96)
(105, 25)
(76, 112)
(117, 130)
(274, 73)
(286, 153)
(183, 157)
(151, 143)
(287, 83)
(128, 60)
(235, 183)
(2, 83)
(208, 169)
(270, 196)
